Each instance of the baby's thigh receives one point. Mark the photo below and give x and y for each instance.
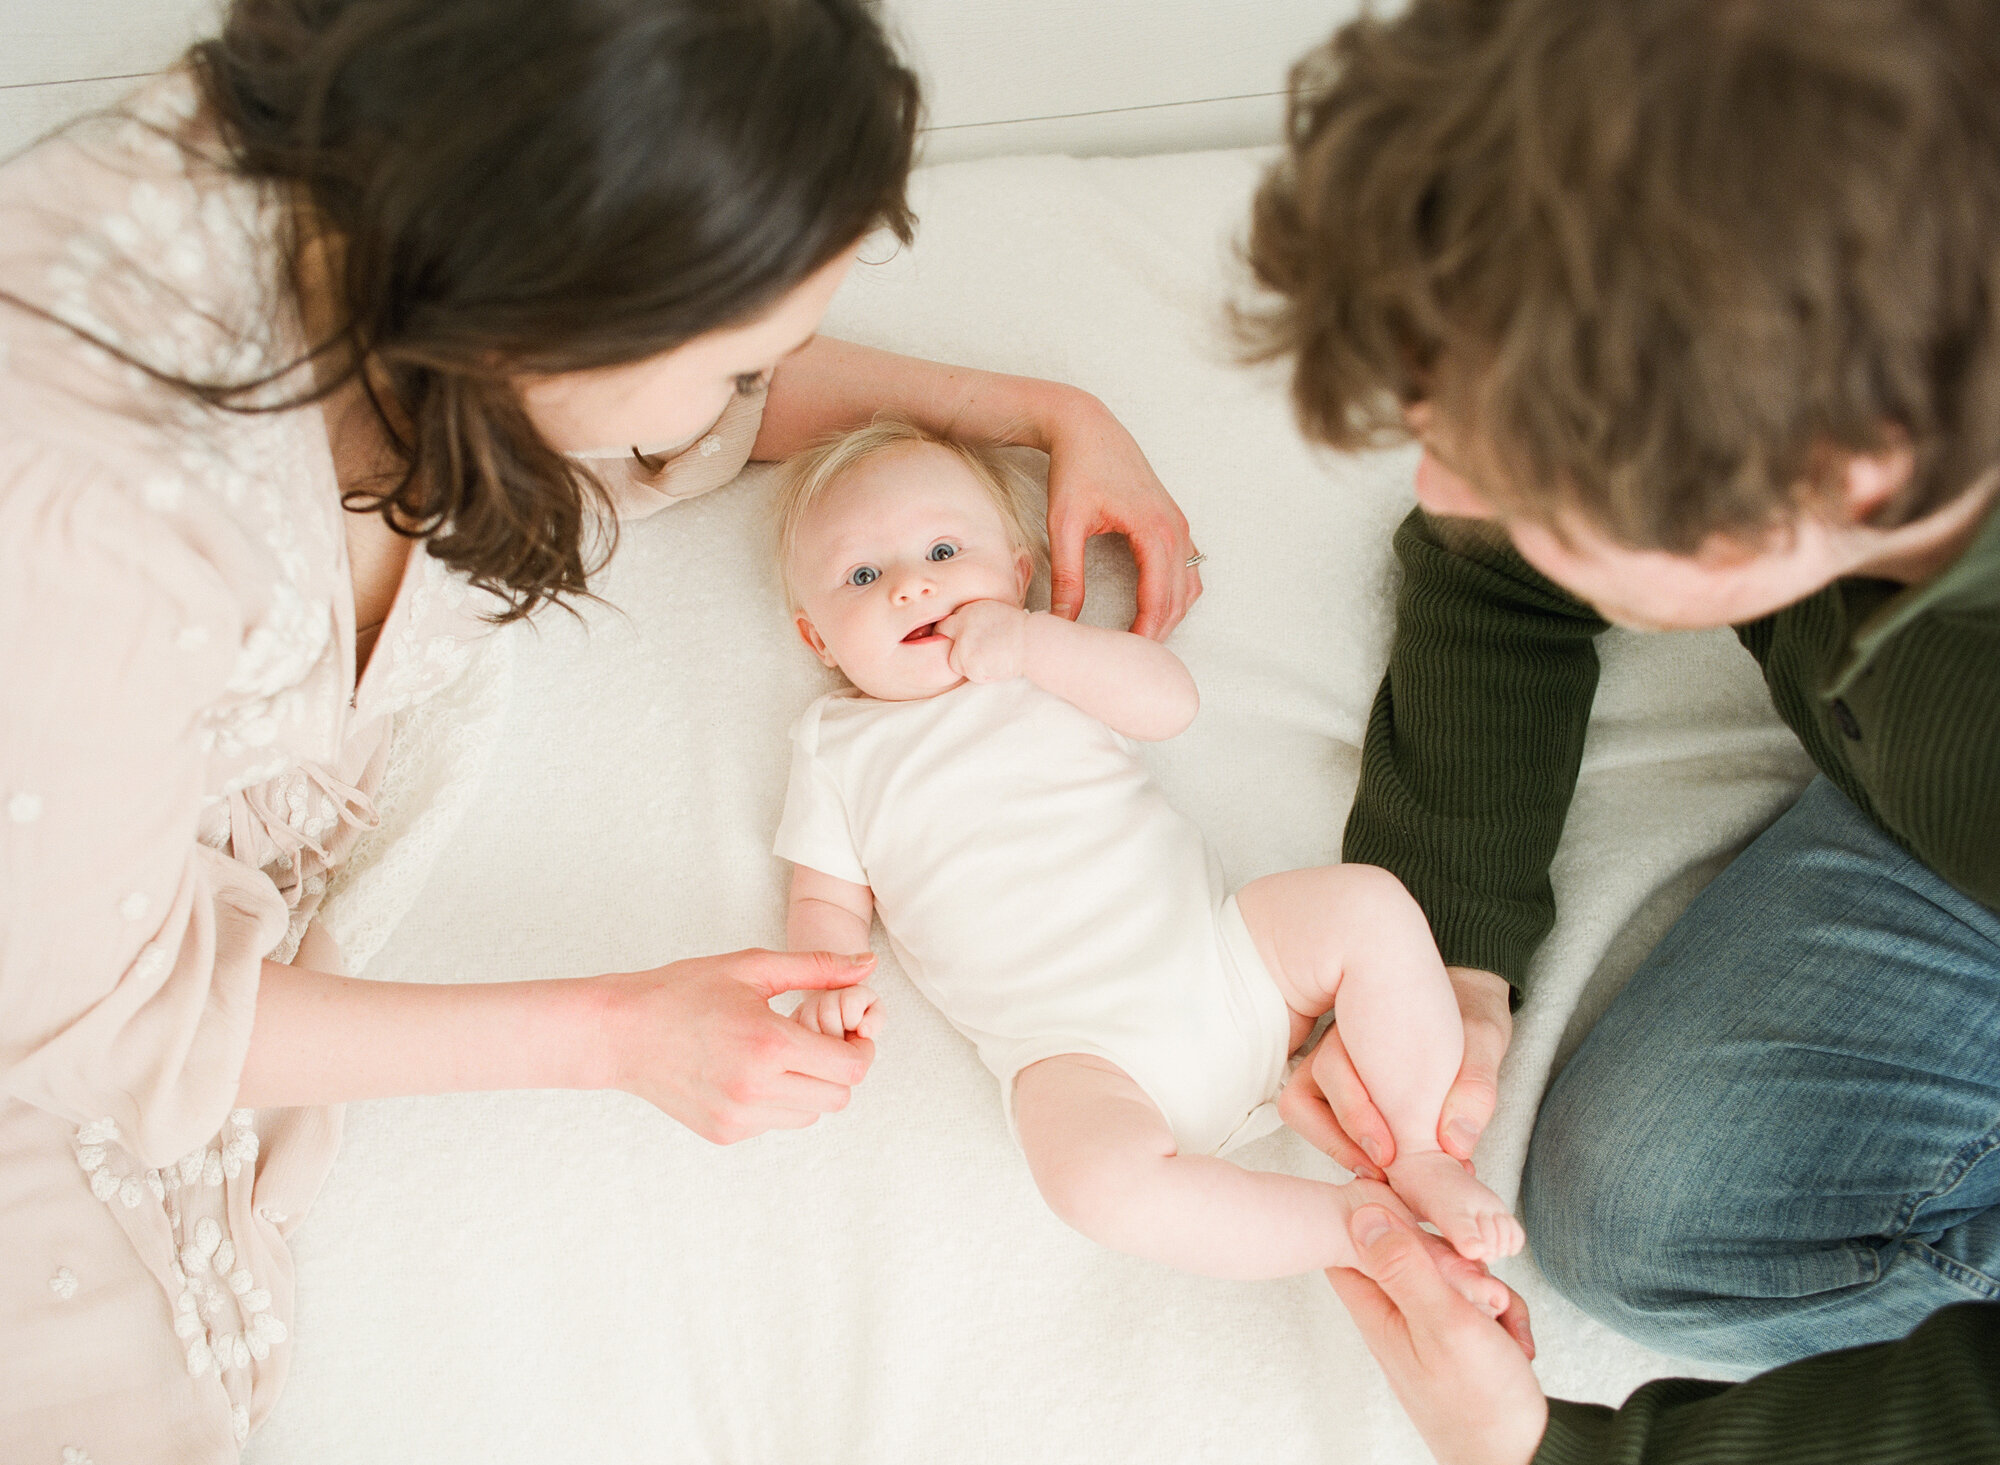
(1088, 1131)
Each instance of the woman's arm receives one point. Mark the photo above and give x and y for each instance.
(697, 1039)
(1099, 480)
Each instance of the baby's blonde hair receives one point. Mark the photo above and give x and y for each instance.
(809, 474)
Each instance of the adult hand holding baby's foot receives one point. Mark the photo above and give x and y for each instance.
(989, 640)
(1461, 1372)
(699, 1039)
(841, 1012)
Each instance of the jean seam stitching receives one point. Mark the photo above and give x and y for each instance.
(1954, 1271)
(1955, 1170)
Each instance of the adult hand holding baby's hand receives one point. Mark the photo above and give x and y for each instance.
(841, 1011)
(699, 1040)
(989, 640)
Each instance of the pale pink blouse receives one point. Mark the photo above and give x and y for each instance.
(185, 755)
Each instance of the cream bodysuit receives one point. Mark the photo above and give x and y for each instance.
(1037, 886)
(186, 754)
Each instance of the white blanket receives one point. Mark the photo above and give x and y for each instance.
(536, 1277)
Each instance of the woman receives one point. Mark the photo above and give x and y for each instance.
(326, 353)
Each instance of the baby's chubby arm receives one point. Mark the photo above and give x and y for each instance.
(1129, 683)
(827, 913)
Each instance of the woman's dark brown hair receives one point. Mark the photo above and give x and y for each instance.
(1664, 262)
(540, 186)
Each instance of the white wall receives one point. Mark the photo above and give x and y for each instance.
(1001, 76)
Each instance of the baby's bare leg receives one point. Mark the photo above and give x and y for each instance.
(1350, 937)
(1105, 1161)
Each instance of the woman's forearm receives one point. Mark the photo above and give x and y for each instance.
(829, 386)
(322, 1039)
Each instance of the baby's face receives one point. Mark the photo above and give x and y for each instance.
(888, 551)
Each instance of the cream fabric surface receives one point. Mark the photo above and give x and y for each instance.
(530, 1277)
(185, 759)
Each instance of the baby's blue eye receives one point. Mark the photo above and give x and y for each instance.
(863, 575)
(942, 551)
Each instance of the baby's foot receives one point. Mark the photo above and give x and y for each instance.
(1468, 1215)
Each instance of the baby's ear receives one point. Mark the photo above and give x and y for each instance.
(1024, 569)
(809, 634)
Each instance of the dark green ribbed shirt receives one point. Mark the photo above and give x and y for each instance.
(1475, 736)
(1932, 1398)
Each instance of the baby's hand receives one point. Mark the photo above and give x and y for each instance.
(841, 1012)
(989, 640)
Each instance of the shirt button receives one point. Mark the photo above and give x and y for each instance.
(1844, 718)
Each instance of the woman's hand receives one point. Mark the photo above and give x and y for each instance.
(699, 1040)
(1326, 1101)
(1462, 1377)
(1100, 483)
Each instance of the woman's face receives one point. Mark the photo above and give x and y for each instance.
(674, 396)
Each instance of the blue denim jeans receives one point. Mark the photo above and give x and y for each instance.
(1784, 1135)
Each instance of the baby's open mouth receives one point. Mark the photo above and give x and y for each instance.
(922, 633)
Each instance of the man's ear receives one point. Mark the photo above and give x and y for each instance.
(1872, 479)
(809, 634)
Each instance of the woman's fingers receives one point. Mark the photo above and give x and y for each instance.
(807, 1095)
(835, 1059)
(1066, 540)
(1168, 584)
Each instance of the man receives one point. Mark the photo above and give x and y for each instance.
(1695, 308)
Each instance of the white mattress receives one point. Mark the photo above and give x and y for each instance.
(531, 1277)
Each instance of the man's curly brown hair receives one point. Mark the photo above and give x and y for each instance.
(1666, 262)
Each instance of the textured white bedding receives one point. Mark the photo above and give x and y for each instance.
(532, 1277)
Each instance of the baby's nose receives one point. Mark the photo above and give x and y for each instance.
(913, 585)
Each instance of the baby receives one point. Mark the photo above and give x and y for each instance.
(980, 788)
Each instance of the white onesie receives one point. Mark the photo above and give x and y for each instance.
(1039, 889)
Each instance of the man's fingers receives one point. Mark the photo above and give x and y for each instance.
(1392, 1254)
(1334, 1072)
(1373, 1313)
(795, 971)
(1468, 1107)
(1515, 1321)
(1469, 1104)
(1304, 1108)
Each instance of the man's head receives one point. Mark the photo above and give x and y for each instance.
(883, 533)
(1678, 274)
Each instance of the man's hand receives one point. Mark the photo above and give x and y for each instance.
(1326, 1101)
(1462, 1377)
(699, 1040)
(1101, 483)
(989, 640)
